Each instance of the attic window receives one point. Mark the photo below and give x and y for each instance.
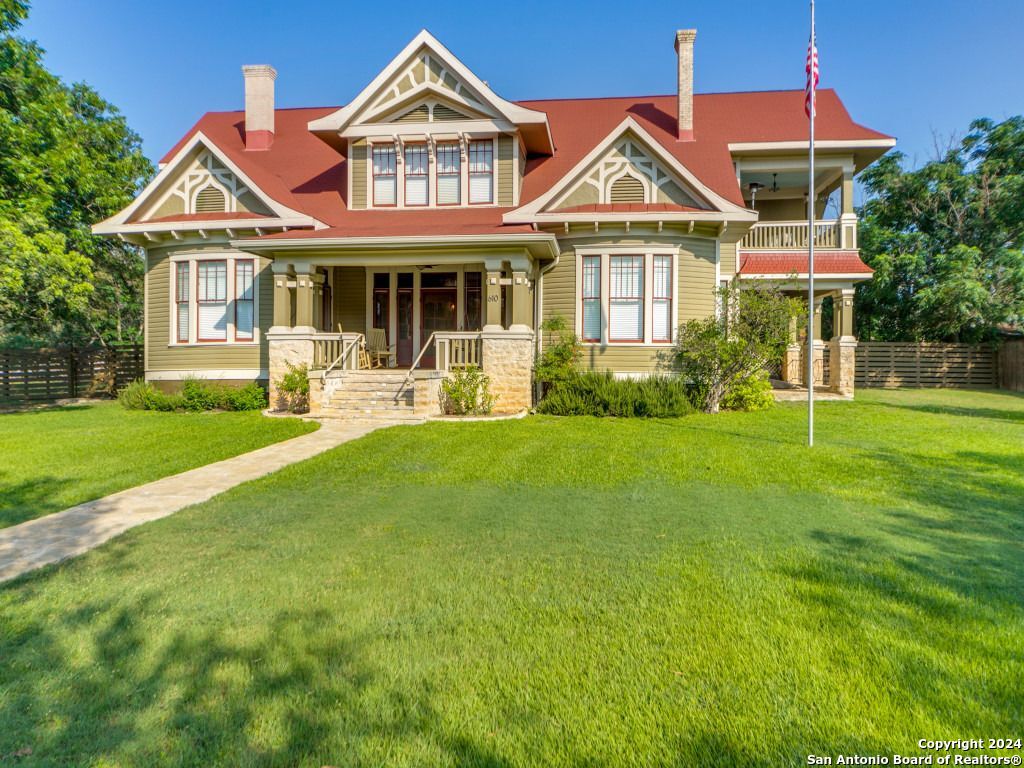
(210, 200)
(627, 189)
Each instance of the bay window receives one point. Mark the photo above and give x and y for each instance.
(214, 300)
(626, 297)
(449, 173)
(385, 175)
(481, 171)
(416, 175)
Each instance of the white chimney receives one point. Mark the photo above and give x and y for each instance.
(259, 105)
(684, 103)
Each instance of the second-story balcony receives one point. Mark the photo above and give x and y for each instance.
(793, 235)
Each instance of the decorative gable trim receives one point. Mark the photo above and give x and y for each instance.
(443, 74)
(664, 167)
(233, 182)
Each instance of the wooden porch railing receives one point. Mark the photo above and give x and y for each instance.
(336, 350)
(770, 235)
(458, 349)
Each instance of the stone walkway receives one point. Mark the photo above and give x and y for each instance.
(61, 535)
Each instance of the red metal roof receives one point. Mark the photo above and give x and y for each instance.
(303, 173)
(793, 262)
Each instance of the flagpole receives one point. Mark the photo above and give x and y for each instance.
(812, 54)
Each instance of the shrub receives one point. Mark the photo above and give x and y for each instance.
(560, 358)
(136, 396)
(251, 397)
(750, 394)
(294, 386)
(467, 391)
(198, 395)
(601, 394)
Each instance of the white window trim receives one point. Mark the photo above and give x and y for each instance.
(432, 140)
(648, 252)
(172, 313)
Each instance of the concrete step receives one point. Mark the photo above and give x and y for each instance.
(372, 386)
(379, 376)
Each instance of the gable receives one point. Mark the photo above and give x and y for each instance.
(429, 111)
(203, 185)
(628, 173)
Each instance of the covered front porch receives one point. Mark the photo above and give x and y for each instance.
(393, 326)
(834, 360)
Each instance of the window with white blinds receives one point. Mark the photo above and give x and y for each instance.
(385, 175)
(245, 299)
(591, 298)
(449, 173)
(481, 171)
(181, 300)
(626, 298)
(417, 175)
(662, 300)
(212, 300)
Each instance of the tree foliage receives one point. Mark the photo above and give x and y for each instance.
(946, 240)
(67, 160)
(717, 355)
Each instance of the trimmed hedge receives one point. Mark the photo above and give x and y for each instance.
(601, 394)
(195, 395)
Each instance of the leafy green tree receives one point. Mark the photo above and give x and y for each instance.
(67, 160)
(946, 240)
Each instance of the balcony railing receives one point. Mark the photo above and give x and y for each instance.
(783, 235)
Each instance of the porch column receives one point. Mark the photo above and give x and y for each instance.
(791, 371)
(848, 219)
(304, 297)
(843, 348)
(282, 295)
(521, 302)
(493, 314)
(818, 356)
(318, 300)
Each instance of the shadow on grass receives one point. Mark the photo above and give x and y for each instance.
(305, 690)
(29, 499)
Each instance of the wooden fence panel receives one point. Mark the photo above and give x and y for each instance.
(923, 364)
(28, 375)
(1011, 365)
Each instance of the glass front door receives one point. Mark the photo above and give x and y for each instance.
(438, 308)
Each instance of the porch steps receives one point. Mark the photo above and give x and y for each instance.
(374, 394)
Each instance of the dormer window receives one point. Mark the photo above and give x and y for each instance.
(481, 171)
(417, 175)
(449, 173)
(385, 175)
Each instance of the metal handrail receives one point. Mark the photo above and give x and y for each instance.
(355, 343)
(423, 349)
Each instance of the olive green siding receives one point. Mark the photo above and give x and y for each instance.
(348, 293)
(695, 286)
(727, 254)
(357, 168)
(506, 171)
(162, 356)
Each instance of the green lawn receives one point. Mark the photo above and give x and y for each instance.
(58, 457)
(568, 592)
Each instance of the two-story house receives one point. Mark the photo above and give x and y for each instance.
(444, 223)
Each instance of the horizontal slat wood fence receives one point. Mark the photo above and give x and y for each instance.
(28, 375)
(910, 364)
(1011, 365)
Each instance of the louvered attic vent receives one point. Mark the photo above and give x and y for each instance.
(627, 189)
(210, 200)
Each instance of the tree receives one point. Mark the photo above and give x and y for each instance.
(67, 160)
(946, 240)
(717, 355)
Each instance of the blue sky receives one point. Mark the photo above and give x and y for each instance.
(910, 68)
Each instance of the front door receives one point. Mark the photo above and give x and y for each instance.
(438, 308)
(403, 347)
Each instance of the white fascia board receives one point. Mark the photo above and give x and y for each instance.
(138, 227)
(529, 211)
(337, 121)
(404, 241)
(115, 223)
(387, 131)
(781, 146)
(556, 217)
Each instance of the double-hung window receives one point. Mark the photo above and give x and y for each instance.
(181, 300)
(385, 175)
(417, 175)
(449, 173)
(481, 171)
(212, 300)
(245, 299)
(626, 298)
(591, 301)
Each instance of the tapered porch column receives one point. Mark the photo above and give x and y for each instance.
(522, 302)
(282, 295)
(791, 370)
(493, 313)
(304, 280)
(843, 348)
(848, 219)
(819, 346)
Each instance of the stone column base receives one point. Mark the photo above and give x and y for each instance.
(284, 348)
(819, 365)
(792, 359)
(426, 395)
(507, 359)
(843, 365)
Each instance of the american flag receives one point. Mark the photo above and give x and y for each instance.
(812, 77)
